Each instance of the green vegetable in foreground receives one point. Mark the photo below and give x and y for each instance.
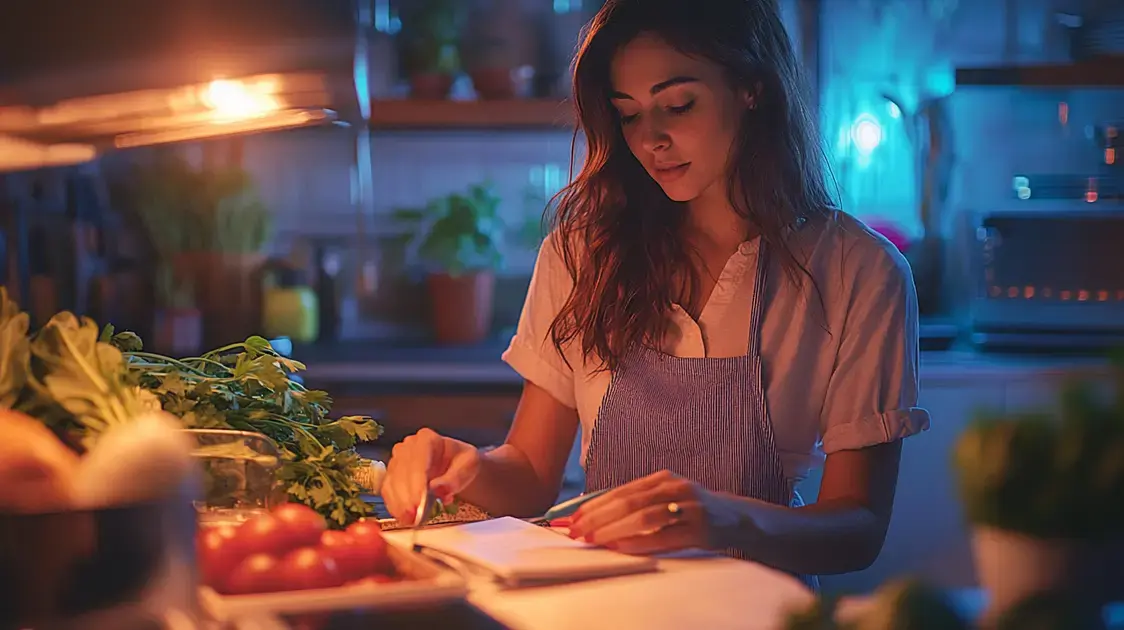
(1055, 474)
(81, 380)
(246, 386)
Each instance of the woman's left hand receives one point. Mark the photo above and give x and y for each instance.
(658, 513)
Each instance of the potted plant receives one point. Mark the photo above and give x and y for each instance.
(498, 49)
(900, 603)
(909, 604)
(178, 322)
(457, 237)
(428, 41)
(211, 225)
(1045, 495)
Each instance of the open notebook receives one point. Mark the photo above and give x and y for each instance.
(517, 553)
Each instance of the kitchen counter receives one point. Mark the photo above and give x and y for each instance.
(407, 366)
(689, 590)
(414, 366)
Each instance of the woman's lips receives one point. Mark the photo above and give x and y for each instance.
(666, 175)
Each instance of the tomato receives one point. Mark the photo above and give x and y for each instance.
(255, 574)
(264, 533)
(217, 553)
(373, 580)
(342, 548)
(370, 546)
(302, 524)
(364, 527)
(308, 568)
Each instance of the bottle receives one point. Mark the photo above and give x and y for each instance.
(289, 306)
(327, 293)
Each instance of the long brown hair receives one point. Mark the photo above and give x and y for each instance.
(619, 235)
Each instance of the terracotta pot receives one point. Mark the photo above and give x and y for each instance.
(228, 292)
(1012, 567)
(178, 331)
(44, 300)
(462, 306)
(494, 83)
(431, 86)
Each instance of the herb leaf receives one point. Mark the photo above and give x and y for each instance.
(15, 351)
(84, 375)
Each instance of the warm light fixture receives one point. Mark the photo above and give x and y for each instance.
(17, 154)
(71, 130)
(231, 100)
(263, 122)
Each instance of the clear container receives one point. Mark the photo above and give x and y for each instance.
(239, 475)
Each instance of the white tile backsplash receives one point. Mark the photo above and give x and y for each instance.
(305, 176)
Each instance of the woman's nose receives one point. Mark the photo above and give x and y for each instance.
(654, 136)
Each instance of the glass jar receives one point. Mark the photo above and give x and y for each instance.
(239, 475)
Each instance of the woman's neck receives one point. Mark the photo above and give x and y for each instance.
(713, 224)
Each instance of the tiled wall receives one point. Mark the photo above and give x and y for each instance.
(307, 176)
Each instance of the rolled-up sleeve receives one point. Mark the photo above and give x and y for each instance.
(532, 353)
(872, 394)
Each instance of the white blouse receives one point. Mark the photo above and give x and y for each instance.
(839, 376)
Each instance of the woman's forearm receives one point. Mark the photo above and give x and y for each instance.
(507, 485)
(818, 539)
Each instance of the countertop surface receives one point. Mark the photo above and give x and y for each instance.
(413, 362)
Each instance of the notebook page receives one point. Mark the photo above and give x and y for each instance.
(521, 553)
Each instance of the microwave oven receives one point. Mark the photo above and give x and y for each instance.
(1049, 280)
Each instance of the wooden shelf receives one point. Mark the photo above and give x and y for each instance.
(1108, 72)
(444, 114)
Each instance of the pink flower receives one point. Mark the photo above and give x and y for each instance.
(892, 233)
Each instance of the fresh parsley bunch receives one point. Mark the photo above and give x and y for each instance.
(246, 387)
(80, 380)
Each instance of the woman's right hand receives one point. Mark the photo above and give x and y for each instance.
(445, 465)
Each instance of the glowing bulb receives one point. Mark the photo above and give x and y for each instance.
(866, 133)
(234, 100)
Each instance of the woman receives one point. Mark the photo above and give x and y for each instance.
(702, 313)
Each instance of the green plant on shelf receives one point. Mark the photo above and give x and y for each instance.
(430, 36)
(188, 209)
(456, 233)
(173, 293)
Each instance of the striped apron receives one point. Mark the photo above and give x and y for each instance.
(704, 419)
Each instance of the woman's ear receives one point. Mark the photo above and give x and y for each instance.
(750, 97)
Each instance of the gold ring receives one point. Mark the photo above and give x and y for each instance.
(675, 512)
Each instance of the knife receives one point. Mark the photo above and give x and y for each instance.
(425, 508)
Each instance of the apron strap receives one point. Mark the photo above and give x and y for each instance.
(757, 308)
